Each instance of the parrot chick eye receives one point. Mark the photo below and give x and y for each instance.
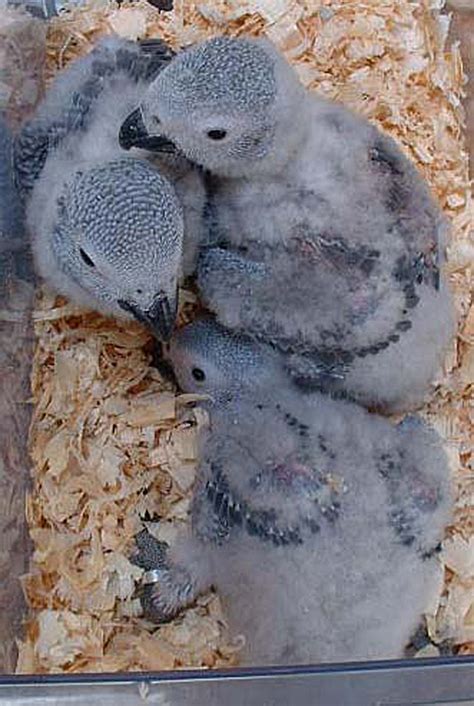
(217, 134)
(198, 374)
(85, 258)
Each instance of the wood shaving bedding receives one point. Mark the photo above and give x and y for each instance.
(110, 440)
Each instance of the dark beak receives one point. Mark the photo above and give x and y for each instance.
(133, 133)
(161, 363)
(160, 318)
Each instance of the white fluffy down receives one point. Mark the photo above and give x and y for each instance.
(309, 190)
(357, 588)
(81, 149)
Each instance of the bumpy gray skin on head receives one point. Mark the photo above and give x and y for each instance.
(339, 221)
(317, 523)
(109, 236)
(207, 358)
(241, 86)
(67, 159)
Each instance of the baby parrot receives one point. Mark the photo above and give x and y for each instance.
(326, 242)
(317, 522)
(107, 227)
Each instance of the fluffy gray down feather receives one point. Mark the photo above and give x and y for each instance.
(326, 242)
(317, 522)
(107, 226)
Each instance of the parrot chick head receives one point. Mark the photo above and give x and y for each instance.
(230, 105)
(117, 238)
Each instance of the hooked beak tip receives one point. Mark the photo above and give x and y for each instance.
(163, 330)
(133, 133)
(131, 130)
(160, 317)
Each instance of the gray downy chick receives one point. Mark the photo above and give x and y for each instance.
(327, 243)
(317, 523)
(108, 226)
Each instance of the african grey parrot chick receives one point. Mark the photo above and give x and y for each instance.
(107, 227)
(329, 245)
(317, 523)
